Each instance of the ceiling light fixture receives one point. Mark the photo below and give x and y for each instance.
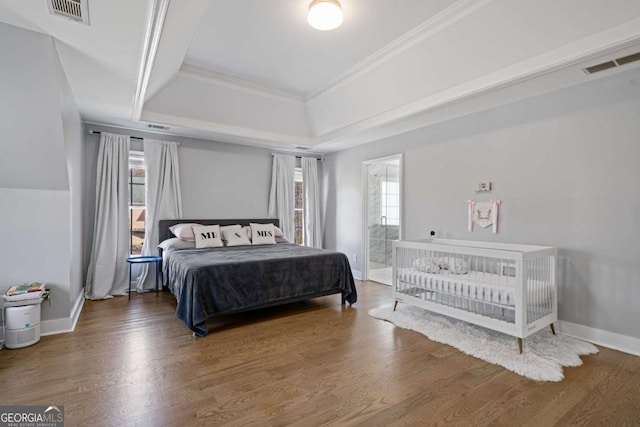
(325, 14)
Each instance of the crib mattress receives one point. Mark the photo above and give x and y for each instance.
(484, 287)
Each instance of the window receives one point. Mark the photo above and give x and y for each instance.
(389, 202)
(137, 211)
(298, 211)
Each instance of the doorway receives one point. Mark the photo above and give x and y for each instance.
(382, 215)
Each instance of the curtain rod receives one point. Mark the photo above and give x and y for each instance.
(97, 132)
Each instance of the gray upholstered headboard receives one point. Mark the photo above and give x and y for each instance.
(164, 233)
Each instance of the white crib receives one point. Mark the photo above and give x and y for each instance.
(509, 288)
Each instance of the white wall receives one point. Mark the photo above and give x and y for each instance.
(565, 166)
(40, 155)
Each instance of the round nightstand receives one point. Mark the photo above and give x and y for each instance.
(144, 259)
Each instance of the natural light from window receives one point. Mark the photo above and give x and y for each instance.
(137, 211)
(298, 211)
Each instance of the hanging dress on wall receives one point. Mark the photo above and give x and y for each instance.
(483, 213)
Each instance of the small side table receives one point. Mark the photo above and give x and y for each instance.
(144, 259)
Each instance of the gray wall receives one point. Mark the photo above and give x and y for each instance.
(41, 152)
(218, 180)
(31, 155)
(74, 146)
(224, 181)
(565, 166)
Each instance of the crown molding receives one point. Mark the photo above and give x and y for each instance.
(130, 128)
(182, 128)
(435, 24)
(150, 49)
(575, 55)
(214, 77)
(621, 37)
(230, 133)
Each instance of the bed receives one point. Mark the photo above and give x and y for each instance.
(211, 282)
(510, 288)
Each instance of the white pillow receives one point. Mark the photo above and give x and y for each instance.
(263, 234)
(275, 227)
(236, 236)
(175, 243)
(228, 227)
(426, 265)
(184, 231)
(207, 236)
(458, 266)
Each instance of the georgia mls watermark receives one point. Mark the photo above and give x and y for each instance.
(31, 416)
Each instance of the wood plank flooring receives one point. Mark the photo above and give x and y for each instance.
(305, 364)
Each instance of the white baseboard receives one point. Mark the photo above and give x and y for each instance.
(608, 339)
(356, 274)
(64, 325)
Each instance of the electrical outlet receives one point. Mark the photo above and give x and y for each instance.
(355, 257)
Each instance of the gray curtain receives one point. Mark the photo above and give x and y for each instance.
(281, 196)
(108, 273)
(163, 198)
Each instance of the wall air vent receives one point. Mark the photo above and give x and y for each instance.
(157, 127)
(302, 148)
(612, 64)
(75, 10)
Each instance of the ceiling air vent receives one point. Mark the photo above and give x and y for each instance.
(600, 67)
(157, 127)
(75, 10)
(629, 58)
(612, 64)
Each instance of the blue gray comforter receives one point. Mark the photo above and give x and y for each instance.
(213, 281)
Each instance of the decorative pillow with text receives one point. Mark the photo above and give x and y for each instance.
(207, 236)
(236, 237)
(263, 234)
(275, 228)
(224, 228)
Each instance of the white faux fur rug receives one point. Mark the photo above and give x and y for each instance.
(543, 357)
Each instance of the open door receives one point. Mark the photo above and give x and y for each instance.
(383, 181)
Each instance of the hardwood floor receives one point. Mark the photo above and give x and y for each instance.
(307, 364)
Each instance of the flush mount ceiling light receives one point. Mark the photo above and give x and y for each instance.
(325, 14)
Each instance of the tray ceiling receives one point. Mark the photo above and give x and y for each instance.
(253, 72)
(270, 42)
